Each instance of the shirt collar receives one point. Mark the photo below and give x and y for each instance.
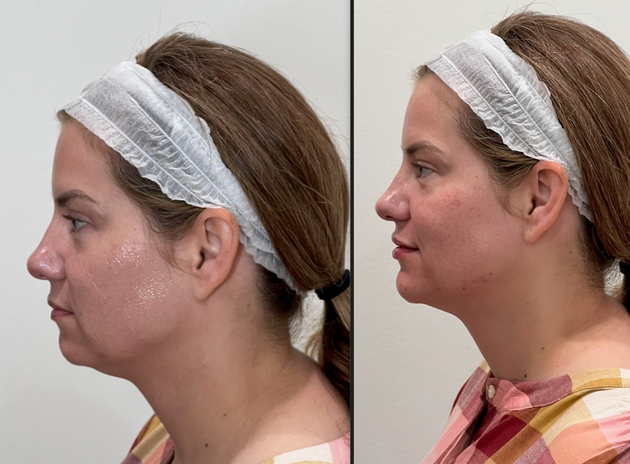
(516, 395)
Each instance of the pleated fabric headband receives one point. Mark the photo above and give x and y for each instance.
(156, 131)
(504, 91)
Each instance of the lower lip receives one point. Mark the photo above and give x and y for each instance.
(59, 313)
(399, 252)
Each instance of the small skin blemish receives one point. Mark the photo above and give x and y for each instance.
(525, 375)
(206, 445)
(225, 414)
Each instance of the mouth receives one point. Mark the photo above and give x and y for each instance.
(58, 312)
(402, 248)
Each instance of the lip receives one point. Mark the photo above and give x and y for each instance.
(58, 312)
(402, 248)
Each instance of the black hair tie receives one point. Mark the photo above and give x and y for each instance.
(328, 293)
(624, 268)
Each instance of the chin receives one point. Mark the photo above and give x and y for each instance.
(416, 290)
(413, 290)
(80, 355)
(74, 354)
(118, 363)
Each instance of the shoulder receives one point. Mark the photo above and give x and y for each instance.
(333, 452)
(154, 445)
(591, 425)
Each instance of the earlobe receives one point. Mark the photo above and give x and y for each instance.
(546, 189)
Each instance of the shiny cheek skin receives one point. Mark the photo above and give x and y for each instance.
(124, 299)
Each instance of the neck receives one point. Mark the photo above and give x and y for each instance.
(546, 324)
(227, 394)
(212, 410)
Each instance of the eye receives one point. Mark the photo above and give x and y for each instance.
(423, 171)
(76, 223)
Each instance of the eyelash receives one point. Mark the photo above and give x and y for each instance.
(74, 220)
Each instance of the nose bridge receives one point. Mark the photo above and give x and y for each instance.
(46, 262)
(393, 204)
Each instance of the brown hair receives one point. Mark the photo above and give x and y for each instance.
(283, 157)
(588, 77)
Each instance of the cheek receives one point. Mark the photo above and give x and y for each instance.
(464, 235)
(448, 220)
(124, 296)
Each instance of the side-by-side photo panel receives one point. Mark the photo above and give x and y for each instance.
(492, 232)
(176, 272)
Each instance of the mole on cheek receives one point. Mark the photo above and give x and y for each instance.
(485, 279)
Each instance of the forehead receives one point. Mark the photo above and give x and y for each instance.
(432, 110)
(432, 116)
(78, 163)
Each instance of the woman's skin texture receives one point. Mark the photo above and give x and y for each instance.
(190, 335)
(515, 277)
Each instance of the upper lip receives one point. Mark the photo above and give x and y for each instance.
(400, 243)
(56, 306)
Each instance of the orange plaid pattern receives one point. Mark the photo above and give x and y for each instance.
(572, 419)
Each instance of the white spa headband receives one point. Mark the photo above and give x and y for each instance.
(156, 131)
(504, 91)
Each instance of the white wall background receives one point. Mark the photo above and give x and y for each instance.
(410, 360)
(51, 411)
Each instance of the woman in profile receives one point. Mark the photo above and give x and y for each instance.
(198, 198)
(512, 209)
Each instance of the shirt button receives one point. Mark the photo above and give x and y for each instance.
(491, 391)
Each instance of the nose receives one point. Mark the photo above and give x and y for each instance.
(46, 262)
(393, 205)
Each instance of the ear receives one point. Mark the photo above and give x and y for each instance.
(541, 197)
(211, 250)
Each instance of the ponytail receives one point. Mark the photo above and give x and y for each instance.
(335, 359)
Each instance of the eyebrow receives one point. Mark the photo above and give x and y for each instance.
(65, 197)
(421, 146)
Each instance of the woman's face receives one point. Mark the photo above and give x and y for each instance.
(454, 239)
(118, 294)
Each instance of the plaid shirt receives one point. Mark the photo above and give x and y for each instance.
(573, 419)
(154, 446)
